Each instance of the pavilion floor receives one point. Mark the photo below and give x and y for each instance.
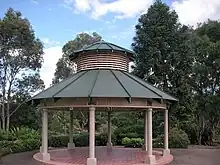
(104, 156)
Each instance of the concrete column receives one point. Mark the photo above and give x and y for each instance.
(91, 160)
(71, 145)
(166, 150)
(109, 143)
(144, 147)
(45, 154)
(150, 157)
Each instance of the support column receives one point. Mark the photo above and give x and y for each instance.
(71, 145)
(109, 143)
(91, 160)
(144, 147)
(150, 157)
(45, 154)
(166, 150)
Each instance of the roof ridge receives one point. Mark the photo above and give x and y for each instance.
(94, 82)
(150, 85)
(142, 84)
(56, 84)
(69, 84)
(121, 84)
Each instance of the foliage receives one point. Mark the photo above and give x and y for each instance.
(184, 62)
(64, 67)
(177, 139)
(21, 56)
(58, 140)
(132, 142)
(19, 140)
(24, 133)
(80, 140)
(26, 116)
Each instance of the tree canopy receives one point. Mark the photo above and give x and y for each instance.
(21, 56)
(181, 60)
(64, 67)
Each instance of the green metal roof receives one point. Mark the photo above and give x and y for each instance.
(103, 46)
(103, 83)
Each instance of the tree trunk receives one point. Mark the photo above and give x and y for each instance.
(3, 109)
(8, 116)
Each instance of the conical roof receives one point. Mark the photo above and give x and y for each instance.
(103, 46)
(103, 83)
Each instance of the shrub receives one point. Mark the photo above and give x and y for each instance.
(177, 139)
(132, 142)
(6, 135)
(58, 141)
(80, 140)
(129, 132)
(102, 139)
(25, 145)
(24, 133)
(19, 140)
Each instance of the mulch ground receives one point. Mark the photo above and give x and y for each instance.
(190, 156)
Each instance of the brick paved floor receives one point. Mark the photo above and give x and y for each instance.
(118, 156)
(192, 156)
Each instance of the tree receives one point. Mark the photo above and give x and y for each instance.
(164, 57)
(206, 75)
(64, 67)
(21, 56)
(155, 43)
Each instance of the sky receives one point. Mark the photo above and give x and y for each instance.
(55, 22)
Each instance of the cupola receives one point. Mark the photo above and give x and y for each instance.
(102, 55)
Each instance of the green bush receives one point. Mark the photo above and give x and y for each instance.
(132, 142)
(102, 139)
(80, 140)
(25, 145)
(129, 132)
(158, 142)
(177, 139)
(58, 140)
(24, 133)
(19, 140)
(6, 135)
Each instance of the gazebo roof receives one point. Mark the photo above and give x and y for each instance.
(102, 46)
(103, 83)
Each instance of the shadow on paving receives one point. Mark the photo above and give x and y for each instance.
(181, 157)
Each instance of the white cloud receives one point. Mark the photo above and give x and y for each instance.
(51, 57)
(99, 8)
(35, 2)
(49, 42)
(193, 11)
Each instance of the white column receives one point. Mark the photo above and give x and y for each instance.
(91, 160)
(144, 147)
(45, 154)
(71, 145)
(109, 144)
(166, 133)
(150, 157)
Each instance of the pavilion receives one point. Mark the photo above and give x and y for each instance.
(102, 83)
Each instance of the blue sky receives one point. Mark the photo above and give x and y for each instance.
(57, 21)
